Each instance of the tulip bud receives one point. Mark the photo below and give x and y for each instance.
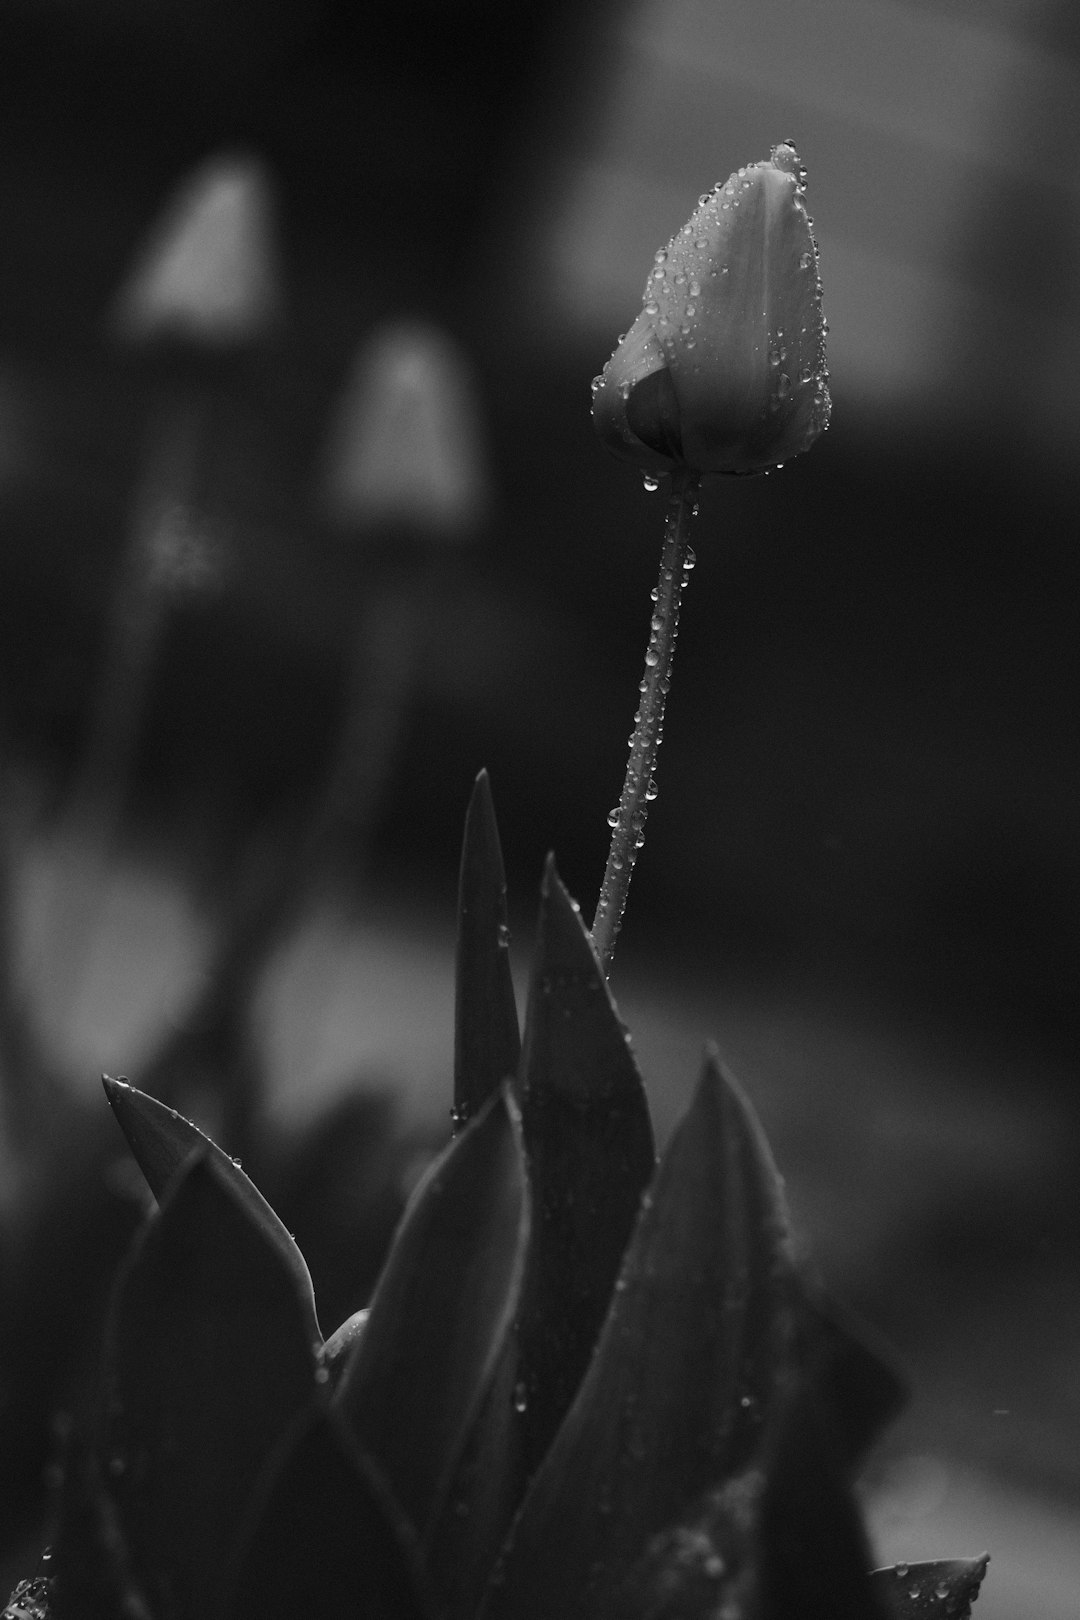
(724, 369)
(209, 271)
(407, 448)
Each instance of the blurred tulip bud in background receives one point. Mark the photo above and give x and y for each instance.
(724, 369)
(406, 450)
(209, 271)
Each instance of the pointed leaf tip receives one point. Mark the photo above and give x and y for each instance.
(591, 1155)
(487, 1039)
(697, 1345)
(941, 1590)
(162, 1141)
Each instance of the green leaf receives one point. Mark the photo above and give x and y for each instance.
(441, 1311)
(163, 1140)
(208, 1361)
(325, 1537)
(698, 1342)
(487, 1043)
(943, 1590)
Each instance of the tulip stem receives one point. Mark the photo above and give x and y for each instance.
(627, 820)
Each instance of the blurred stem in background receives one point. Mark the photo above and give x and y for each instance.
(405, 481)
(203, 292)
(29, 1090)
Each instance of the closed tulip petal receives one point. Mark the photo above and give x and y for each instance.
(724, 369)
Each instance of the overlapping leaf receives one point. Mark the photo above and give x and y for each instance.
(942, 1590)
(699, 1341)
(487, 1042)
(325, 1537)
(590, 1152)
(589, 1142)
(208, 1362)
(780, 1540)
(163, 1140)
(442, 1311)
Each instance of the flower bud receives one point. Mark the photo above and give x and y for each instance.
(724, 369)
(208, 272)
(407, 449)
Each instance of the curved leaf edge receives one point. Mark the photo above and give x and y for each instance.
(939, 1589)
(487, 1034)
(487, 1138)
(162, 1141)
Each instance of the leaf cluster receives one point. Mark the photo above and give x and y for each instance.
(586, 1385)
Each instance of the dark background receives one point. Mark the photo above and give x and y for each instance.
(870, 771)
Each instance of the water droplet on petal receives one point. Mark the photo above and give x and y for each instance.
(652, 657)
(613, 817)
(649, 482)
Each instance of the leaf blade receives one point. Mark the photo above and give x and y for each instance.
(324, 1526)
(699, 1342)
(487, 1042)
(782, 1538)
(208, 1361)
(589, 1142)
(162, 1141)
(944, 1589)
(445, 1301)
(590, 1152)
